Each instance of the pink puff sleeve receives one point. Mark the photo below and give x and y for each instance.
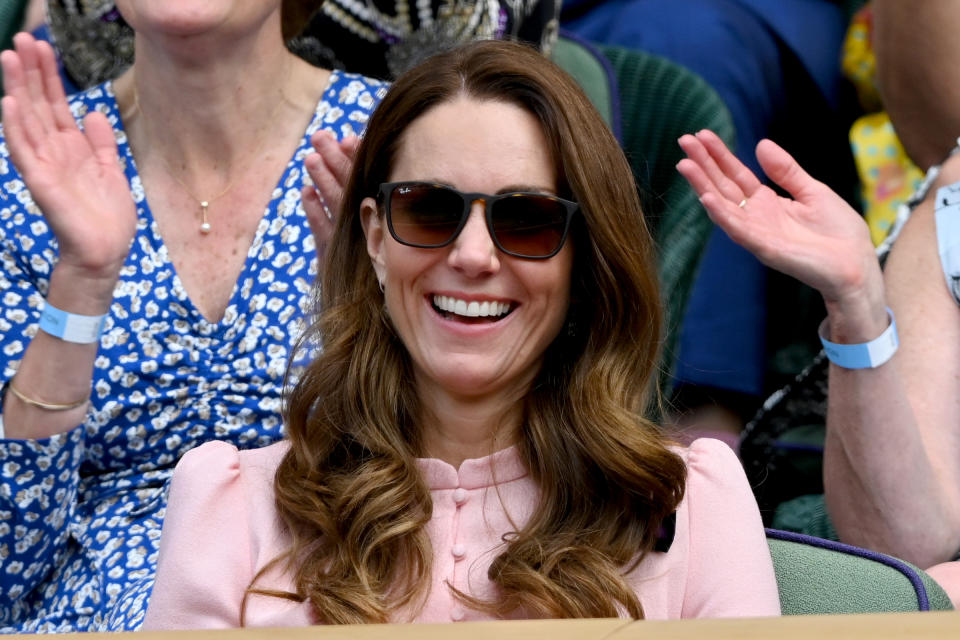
(205, 563)
(730, 572)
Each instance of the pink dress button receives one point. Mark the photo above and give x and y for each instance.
(459, 495)
(457, 614)
(458, 551)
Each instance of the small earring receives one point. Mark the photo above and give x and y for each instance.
(380, 284)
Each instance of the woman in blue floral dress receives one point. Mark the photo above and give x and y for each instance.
(200, 278)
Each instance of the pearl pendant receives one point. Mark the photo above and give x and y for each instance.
(204, 225)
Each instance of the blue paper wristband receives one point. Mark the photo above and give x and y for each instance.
(70, 326)
(865, 355)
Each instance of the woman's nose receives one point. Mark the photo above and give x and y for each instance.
(474, 252)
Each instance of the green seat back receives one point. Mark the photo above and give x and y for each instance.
(591, 73)
(657, 101)
(11, 19)
(816, 576)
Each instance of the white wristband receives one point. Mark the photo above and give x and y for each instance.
(865, 355)
(70, 326)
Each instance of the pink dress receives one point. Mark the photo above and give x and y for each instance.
(221, 527)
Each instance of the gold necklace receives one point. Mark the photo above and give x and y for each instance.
(205, 226)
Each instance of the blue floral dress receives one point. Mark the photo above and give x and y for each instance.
(81, 512)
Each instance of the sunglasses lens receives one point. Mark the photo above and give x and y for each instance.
(529, 225)
(425, 215)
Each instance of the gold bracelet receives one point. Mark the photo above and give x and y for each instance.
(46, 406)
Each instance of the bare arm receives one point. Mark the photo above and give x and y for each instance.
(893, 442)
(917, 47)
(76, 180)
(892, 460)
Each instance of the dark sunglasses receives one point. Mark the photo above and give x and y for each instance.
(430, 216)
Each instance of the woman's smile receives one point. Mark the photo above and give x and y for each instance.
(471, 310)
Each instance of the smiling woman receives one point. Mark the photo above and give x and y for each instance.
(459, 363)
(471, 444)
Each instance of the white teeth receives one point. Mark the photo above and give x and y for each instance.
(473, 309)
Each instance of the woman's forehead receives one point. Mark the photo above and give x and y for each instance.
(475, 145)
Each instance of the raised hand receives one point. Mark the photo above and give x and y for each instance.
(815, 237)
(74, 176)
(329, 168)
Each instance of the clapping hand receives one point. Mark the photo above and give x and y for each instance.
(329, 168)
(815, 236)
(74, 176)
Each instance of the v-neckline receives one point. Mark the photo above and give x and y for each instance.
(146, 218)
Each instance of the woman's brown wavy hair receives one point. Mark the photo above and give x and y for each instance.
(295, 15)
(348, 490)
